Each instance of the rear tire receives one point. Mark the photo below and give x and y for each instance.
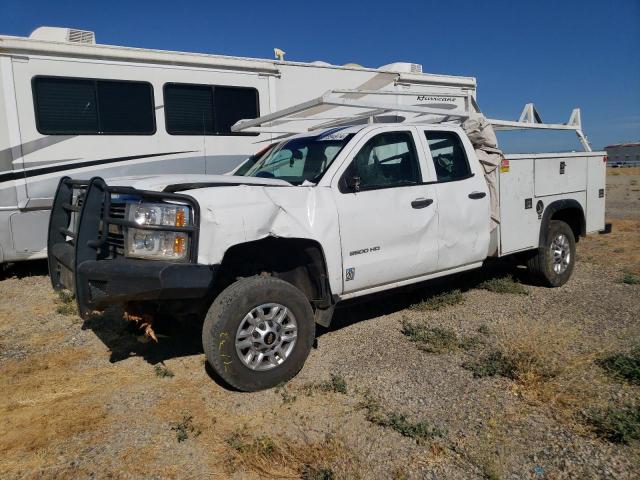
(552, 265)
(258, 333)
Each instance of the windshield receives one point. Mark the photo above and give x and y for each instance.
(300, 159)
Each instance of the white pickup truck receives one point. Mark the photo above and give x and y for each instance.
(321, 217)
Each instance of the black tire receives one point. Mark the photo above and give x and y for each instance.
(228, 311)
(541, 264)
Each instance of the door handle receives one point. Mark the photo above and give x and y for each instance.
(477, 195)
(421, 202)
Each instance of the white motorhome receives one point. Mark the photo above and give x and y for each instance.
(71, 107)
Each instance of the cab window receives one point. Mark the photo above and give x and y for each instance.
(386, 160)
(449, 157)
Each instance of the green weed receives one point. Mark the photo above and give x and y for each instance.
(623, 366)
(436, 339)
(439, 301)
(630, 278)
(618, 425)
(505, 284)
(185, 427)
(418, 431)
(163, 371)
(66, 303)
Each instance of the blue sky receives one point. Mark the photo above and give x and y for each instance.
(557, 54)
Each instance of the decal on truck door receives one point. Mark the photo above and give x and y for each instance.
(350, 274)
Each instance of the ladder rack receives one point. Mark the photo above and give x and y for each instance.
(316, 110)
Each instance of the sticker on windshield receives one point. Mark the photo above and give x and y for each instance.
(333, 135)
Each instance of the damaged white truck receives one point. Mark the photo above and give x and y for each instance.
(343, 210)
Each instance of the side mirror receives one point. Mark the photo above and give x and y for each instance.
(353, 183)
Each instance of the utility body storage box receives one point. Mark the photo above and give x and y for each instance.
(529, 183)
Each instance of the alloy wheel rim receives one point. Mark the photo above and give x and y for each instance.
(266, 336)
(560, 254)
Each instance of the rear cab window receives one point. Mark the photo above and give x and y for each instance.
(449, 156)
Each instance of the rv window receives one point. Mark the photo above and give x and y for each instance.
(188, 109)
(126, 108)
(72, 106)
(207, 109)
(65, 106)
(232, 104)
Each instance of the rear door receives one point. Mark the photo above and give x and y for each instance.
(388, 225)
(463, 199)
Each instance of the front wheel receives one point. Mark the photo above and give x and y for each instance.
(553, 263)
(258, 333)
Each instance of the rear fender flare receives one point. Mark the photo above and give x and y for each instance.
(557, 206)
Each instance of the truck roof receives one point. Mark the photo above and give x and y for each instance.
(340, 132)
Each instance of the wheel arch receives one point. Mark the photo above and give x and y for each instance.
(567, 210)
(299, 261)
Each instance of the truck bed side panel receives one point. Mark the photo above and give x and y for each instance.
(518, 225)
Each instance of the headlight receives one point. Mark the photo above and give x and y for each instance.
(157, 244)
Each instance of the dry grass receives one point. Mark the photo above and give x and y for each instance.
(624, 171)
(618, 249)
(529, 352)
(271, 457)
(488, 451)
(547, 368)
(45, 402)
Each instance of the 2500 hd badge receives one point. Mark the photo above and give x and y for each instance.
(364, 250)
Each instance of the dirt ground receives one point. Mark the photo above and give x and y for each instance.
(374, 400)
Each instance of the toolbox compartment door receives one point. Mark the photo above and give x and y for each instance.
(519, 223)
(560, 174)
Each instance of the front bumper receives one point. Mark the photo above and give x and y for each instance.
(101, 283)
(83, 260)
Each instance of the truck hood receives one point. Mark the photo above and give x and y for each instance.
(188, 182)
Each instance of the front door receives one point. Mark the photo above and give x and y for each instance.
(463, 201)
(388, 217)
